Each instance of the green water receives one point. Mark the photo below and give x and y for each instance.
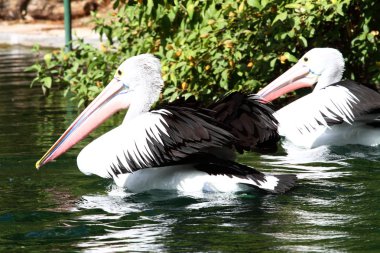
(334, 208)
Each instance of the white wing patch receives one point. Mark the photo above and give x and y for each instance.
(308, 113)
(126, 143)
(136, 138)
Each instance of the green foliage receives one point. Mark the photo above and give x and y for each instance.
(209, 47)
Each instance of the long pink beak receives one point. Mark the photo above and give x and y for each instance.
(293, 79)
(109, 101)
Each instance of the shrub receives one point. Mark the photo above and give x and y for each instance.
(210, 47)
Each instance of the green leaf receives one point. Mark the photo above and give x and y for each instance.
(187, 95)
(290, 57)
(36, 79)
(272, 62)
(255, 3)
(65, 92)
(280, 17)
(150, 5)
(35, 67)
(224, 81)
(36, 48)
(47, 81)
(293, 6)
(169, 90)
(190, 9)
(303, 40)
(94, 89)
(81, 102)
(173, 78)
(44, 90)
(75, 66)
(173, 97)
(371, 37)
(264, 3)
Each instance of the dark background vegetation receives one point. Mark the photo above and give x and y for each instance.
(210, 47)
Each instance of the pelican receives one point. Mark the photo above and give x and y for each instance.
(335, 113)
(175, 147)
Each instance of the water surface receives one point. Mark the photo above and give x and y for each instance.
(334, 208)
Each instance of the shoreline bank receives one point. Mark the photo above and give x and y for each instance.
(49, 34)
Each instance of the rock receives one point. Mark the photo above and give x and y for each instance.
(54, 10)
(45, 9)
(14, 9)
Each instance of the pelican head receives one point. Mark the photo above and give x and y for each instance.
(136, 85)
(319, 66)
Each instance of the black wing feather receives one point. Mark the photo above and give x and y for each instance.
(188, 133)
(249, 120)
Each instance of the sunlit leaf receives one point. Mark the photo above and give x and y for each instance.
(47, 81)
(280, 17)
(293, 6)
(150, 5)
(190, 9)
(254, 3)
(290, 57)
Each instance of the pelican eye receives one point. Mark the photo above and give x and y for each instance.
(305, 59)
(119, 72)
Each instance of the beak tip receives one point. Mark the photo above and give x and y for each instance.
(38, 164)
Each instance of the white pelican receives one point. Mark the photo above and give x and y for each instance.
(174, 147)
(335, 113)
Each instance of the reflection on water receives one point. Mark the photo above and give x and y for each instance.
(111, 203)
(298, 155)
(334, 208)
(318, 163)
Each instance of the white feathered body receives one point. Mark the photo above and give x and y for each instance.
(334, 115)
